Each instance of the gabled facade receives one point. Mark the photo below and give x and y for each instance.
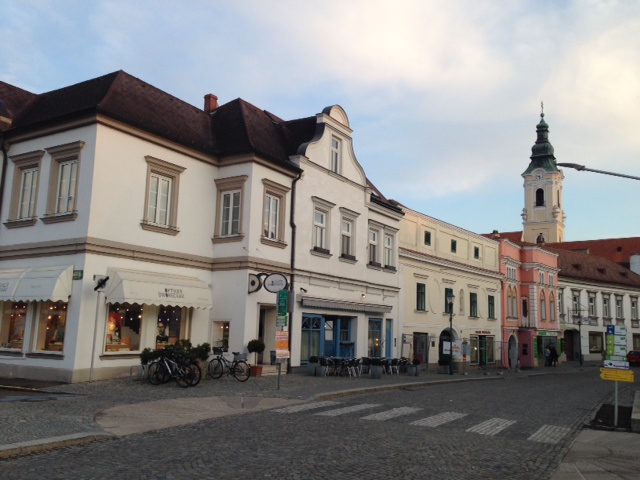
(437, 258)
(186, 211)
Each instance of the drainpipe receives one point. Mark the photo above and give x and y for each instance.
(292, 223)
(5, 161)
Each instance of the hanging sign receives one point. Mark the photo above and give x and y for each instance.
(275, 282)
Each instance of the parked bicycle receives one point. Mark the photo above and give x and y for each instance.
(239, 368)
(184, 371)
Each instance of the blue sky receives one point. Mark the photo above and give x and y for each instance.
(443, 96)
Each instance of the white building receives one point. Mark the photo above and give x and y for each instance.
(231, 194)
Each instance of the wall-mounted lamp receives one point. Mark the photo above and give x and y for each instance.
(364, 295)
(303, 290)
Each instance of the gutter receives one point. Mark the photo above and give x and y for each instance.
(292, 224)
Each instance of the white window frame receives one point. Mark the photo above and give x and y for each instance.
(593, 310)
(159, 202)
(227, 188)
(634, 308)
(606, 306)
(336, 154)
(374, 251)
(63, 158)
(230, 213)
(346, 233)
(169, 173)
(388, 251)
(321, 222)
(619, 307)
(274, 211)
(24, 164)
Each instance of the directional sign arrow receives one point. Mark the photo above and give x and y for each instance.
(616, 375)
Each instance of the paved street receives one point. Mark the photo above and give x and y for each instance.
(512, 426)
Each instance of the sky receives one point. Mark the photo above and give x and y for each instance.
(443, 96)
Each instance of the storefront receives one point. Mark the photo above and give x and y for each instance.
(150, 310)
(34, 303)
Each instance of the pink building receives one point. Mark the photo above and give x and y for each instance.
(529, 302)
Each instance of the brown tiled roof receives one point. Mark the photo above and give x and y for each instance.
(581, 266)
(617, 250)
(14, 99)
(235, 128)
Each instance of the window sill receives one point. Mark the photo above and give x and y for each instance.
(23, 222)
(390, 268)
(374, 265)
(59, 217)
(272, 242)
(420, 312)
(47, 355)
(492, 319)
(348, 259)
(321, 252)
(166, 229)
(11, 353)
(119, 355)
(229, 239)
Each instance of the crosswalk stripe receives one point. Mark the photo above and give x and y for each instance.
(393, 413)
(549, 434)
(439, 419)
(491, 427)
(342, 411)
(306, 406)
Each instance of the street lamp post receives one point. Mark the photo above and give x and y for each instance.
(450, 298)
(582, 168)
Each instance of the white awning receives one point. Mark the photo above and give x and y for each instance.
(9, 280)
(150, 288)
(38, 283)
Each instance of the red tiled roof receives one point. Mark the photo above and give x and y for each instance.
(617, 250)
(511, 236)
(581, 266)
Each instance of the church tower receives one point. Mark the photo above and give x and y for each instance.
(542, 215)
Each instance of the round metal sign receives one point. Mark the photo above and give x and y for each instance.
(275, 282)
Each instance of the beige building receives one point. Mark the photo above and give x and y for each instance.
(436, 259)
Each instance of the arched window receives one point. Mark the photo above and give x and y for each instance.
(552, 308)
(509, 304)
(540, 197)
(543, 307)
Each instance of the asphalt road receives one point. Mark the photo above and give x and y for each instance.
(519, 428)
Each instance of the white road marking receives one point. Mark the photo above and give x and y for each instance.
(393, 413)
(439, 419)
(549, 434)
(306, 406)
(351, 409)
(492, 426)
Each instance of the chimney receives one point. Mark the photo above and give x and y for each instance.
(495, 234)
(210, 102)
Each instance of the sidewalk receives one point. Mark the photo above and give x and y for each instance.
(40, 415)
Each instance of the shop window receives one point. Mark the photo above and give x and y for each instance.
(595, 342)
(171, 328)
(51, 326)
(14, 318)
(124, 326)
(374, 348)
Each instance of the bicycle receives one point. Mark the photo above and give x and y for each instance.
(239, 368)
(185, 372)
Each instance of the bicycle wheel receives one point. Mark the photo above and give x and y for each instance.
(158, 373)
(216, 369)
(197, 373)
(241, 371)
(184, 374)
(153, 373)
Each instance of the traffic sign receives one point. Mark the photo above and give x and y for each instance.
(621, 364)
(616, 375)
(616, 330)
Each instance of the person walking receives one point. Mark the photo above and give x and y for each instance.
(547, 356)
(553, 355)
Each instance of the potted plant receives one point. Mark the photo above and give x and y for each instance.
(312, 365)
(256, 346)
(375, 371)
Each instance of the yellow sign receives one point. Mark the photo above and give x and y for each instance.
(616, 375)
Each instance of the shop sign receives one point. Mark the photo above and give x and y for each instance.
(616, 340)
(616, 330)
(283, 302)
(275, 282)
(281, 321)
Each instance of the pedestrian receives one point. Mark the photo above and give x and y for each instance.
(547, 356)
(553, 355)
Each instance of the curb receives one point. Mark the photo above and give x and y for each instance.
(33, 446)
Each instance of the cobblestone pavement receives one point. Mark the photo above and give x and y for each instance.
(269, 444)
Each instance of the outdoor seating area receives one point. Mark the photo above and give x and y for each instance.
(355, 367)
